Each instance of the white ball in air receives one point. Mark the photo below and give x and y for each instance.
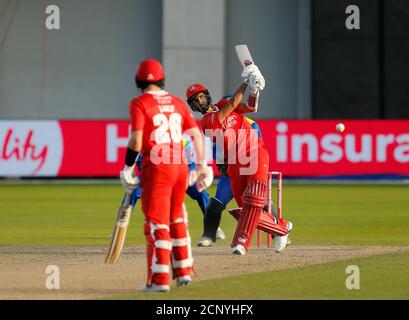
(340, 127)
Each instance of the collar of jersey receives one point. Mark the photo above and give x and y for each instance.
(157, 92)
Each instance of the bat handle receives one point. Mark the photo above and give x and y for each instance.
(256, 98)
(127, 199)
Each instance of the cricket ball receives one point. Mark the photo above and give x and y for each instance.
(340, 127)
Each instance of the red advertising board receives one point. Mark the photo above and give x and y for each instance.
(93, 148)
(315, 148)
(302, 148)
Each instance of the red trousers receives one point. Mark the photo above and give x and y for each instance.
(168, 241)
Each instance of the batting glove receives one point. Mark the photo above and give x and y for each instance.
(130, 181)
(249, 69)
(256, 82)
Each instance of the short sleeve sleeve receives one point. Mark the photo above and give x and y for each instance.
(137, 114)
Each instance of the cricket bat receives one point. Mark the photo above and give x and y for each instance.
(245, 59)
(121, 226)
(244, 55)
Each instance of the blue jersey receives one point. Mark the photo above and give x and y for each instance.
(255, 126)
(190, 152)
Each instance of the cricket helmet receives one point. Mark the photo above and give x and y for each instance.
(195, 105)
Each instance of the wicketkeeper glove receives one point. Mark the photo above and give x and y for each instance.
(192, 177)
(205, 178)
(130, 181)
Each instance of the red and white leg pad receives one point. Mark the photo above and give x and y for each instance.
(158, 250)
(254, 198)
(182, 260)
(266, 222)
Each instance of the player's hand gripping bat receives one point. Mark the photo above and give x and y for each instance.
(256, 80)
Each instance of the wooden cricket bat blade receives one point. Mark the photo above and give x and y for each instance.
(116, 246)
(119, 234)
(244, 55)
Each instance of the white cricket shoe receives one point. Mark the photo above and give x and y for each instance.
(183, 281)
(289, 226)
(282, 241)
(239, 250)
(220, 234)
(205, 242)
(155, 288)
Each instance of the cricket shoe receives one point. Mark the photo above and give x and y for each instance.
(220, 234)
(282, 241)
(239, 250)
(183, 281)
(155, 288)
(288, 240)
(205, 242)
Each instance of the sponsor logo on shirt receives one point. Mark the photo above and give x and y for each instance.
(229, 122)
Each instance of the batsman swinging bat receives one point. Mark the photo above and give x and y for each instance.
(245, 59)
(121, 225)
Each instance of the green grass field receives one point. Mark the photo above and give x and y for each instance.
(52, 214)
(381, 277)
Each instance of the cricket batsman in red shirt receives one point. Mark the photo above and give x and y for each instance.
(158, 121)
(245, 154)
